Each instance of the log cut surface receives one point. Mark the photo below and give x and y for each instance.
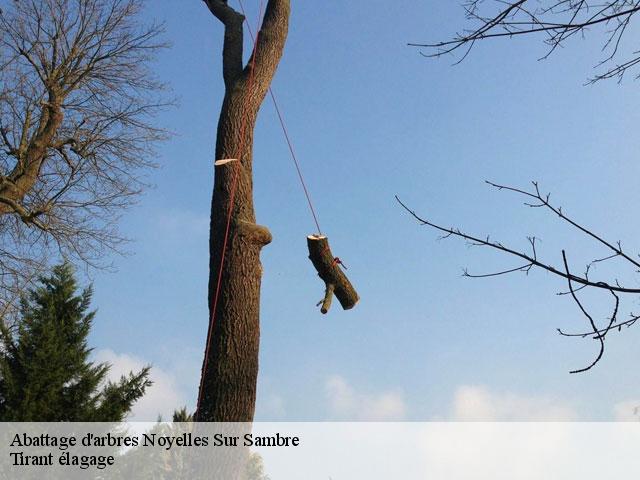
(328, 268)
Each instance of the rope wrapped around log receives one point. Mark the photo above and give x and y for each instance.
(328, 268)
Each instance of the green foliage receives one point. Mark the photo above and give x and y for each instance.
(182, 415)
(45, 372)
(255, 468)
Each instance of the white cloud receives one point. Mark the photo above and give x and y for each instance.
(627, 411)
(478, 403)
(162, 398)
(348, 404)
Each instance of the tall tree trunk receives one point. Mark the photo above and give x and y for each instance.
(230, 369)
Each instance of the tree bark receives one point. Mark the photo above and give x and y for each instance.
(229, 380)
(328, 268)
(30, 157)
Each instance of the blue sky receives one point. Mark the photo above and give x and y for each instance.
(371, 118)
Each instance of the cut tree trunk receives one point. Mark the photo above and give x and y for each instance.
(230, 367)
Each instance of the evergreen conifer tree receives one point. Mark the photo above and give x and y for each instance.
(45, 371)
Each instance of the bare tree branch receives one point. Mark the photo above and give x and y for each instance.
(598, 336)
(532, 260)
(77, 103)
(557, 20)
(614, 326)
(233, 38)
(527, 257)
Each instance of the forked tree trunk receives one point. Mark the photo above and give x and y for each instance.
(229, 379)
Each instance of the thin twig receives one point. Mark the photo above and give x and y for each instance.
(600, 338)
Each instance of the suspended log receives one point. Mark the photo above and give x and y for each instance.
(328, 268)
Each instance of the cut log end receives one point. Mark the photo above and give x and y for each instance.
(328, 268)
(224, 161)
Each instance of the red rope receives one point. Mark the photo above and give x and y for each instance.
(295, 160)
(234, 185)
(233, 192)
(286, 136)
